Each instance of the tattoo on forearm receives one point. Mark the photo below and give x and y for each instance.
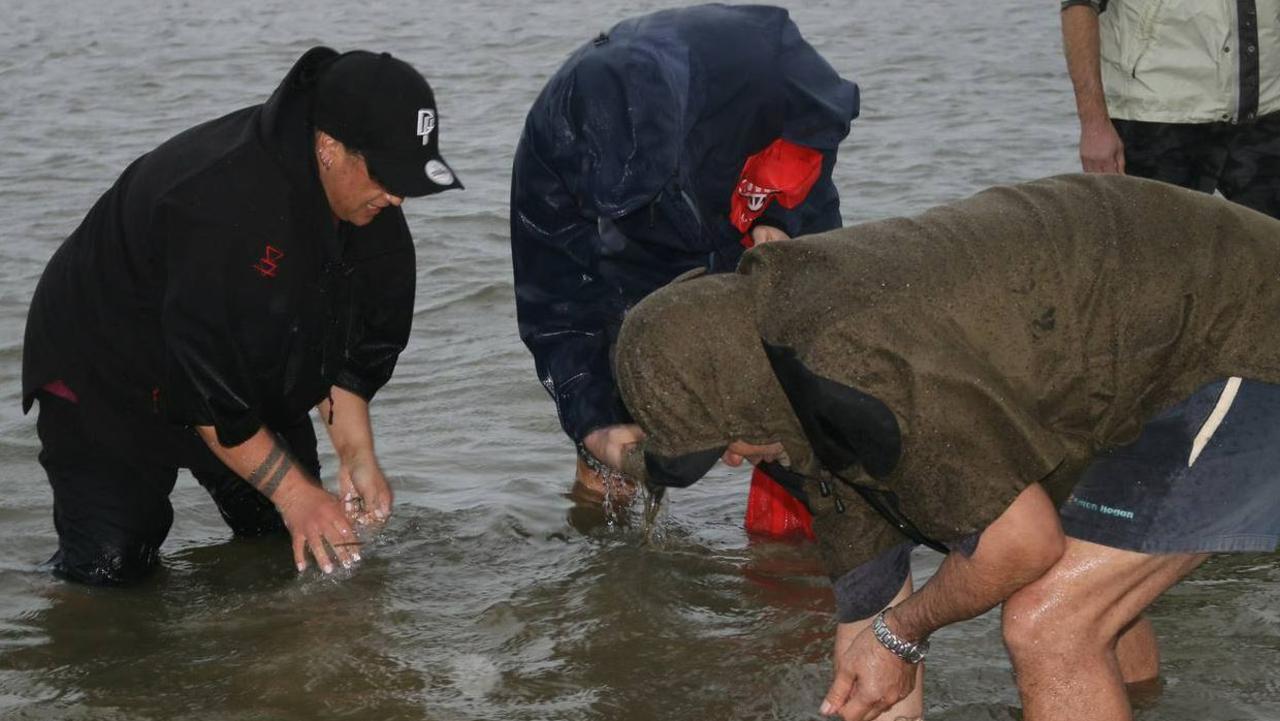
(277, 459)
(269, 488)
(255, 478)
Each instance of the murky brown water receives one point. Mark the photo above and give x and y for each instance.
(489, 596)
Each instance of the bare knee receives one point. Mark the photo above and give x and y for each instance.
(1044, 620)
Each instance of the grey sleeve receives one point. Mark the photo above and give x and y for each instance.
(1097, 5)
(966, 545)
(864, 591)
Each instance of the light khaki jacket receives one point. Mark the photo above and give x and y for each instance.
(1178, 61)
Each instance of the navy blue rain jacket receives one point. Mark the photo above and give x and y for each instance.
(626, 168)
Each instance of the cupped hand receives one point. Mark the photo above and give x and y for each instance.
(366, 495)
(317, 524)
(610, 444)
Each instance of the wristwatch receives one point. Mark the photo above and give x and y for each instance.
(907, 651)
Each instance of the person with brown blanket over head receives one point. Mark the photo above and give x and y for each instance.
(955, 377)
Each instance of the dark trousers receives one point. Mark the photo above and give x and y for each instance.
(111, 508)
(1240, 161)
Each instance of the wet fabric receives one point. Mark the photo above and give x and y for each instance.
(1239, 160)
(210, 285)
(111, 508)
(1159, 495)
(984, 345)
(627, 166)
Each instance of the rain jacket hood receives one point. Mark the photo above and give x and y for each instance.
(694, 374)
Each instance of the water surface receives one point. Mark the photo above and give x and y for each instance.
(490, 596)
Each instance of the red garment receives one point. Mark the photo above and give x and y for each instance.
(773, 512)
(783, 171)
(60, 389)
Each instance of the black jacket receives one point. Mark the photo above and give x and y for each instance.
(211, 286)
(626, 168)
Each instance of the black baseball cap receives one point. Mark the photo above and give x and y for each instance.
(382, 108)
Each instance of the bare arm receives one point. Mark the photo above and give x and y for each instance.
(912, 705)
(1016, 549)
(361, 483)
(313, 516)
(1023, 543)
(1101, 150)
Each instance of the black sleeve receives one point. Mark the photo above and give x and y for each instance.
(384, 275)
(207, 379)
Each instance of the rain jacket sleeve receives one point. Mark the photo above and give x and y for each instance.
(567, 314)
(820, 106)
(384, 276)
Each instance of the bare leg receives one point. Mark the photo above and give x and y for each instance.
(1062, 630)
(1138, 652)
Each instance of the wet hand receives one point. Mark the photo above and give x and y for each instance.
(869, 679)
(317, 524)
(610, 444)
(366, 495)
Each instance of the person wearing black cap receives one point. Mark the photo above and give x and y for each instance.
(243, 272)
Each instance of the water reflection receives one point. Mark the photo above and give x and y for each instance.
(229, 627)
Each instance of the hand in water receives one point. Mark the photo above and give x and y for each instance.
(317, 524)
(610, 444)
(366, 495)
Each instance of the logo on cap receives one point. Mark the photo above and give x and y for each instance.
(426, 124)
(439, 173)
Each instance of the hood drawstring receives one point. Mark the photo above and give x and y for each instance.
(330, 393)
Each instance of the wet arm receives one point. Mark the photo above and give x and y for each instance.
(911, 707)
(346, 418)
(1019, 547)
(312, 515)
(1016, 549)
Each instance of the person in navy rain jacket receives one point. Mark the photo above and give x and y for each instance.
(669, 143)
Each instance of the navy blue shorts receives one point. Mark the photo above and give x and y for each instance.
(1203, 476)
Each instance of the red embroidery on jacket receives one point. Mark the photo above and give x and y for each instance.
(269, 263)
